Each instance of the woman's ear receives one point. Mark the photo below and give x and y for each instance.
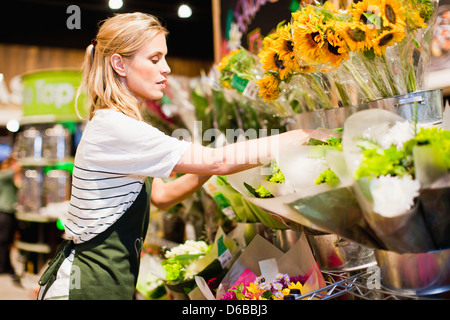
(117, 63)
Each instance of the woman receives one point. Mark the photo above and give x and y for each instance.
(119, 155)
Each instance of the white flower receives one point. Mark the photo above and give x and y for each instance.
(386, 135)
(189, 247)
(191, 270)
(393, 196)
(277, 286)
(397, 135)
(235, 36)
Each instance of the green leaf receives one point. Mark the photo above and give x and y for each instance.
(251, 189)
(267, 294)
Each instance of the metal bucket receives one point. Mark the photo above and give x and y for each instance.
(330, 118)
(429, 105)
(429, 110)
(334, 253)
(251, 229)
(418, 274)
(285, 239)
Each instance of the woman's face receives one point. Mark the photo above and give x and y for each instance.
(146, 70)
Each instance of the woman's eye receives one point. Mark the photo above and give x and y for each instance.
(154, 60)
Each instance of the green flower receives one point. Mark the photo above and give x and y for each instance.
(390, 161)
(263, 192)
(327, 176)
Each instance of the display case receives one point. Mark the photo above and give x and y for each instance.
(45, 145)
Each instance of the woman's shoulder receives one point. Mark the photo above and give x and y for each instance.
(109, 126)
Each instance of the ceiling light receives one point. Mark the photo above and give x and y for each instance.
(13, 125)
(115, 4)
(184, 11)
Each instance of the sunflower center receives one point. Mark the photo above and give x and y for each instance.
(279, 63)
(385, 39)
(333, 49)
(390, 14)
(314, 35)
(356, 34)
(289, 45)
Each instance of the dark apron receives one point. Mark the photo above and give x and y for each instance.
(107, 266)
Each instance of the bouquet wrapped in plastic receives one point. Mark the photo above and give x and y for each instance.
(291, 176)
(236, 207)
(263, 271)
(396, 164)
(185, 261)
(398, 192)
(328, 57)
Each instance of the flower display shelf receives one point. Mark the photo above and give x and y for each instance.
(355, 286)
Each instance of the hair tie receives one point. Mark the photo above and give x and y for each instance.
(93, 42)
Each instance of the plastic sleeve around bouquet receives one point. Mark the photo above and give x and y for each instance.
(338, 212)
(276, 205)
(265, 217)
(435, 203)
(367, 124)
(212, 265)
(298, 183)
(403, 233)
(434, 198)
(299, 260)
(229, 200)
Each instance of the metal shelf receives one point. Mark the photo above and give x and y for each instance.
(341, 285)
(33, 247)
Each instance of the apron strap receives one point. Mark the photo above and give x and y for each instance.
(49, 275)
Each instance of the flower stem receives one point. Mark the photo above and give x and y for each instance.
(368, 93)
(389, 74)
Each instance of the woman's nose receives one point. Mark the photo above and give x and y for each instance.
(165, 68)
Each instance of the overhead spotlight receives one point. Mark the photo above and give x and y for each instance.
(184, 11)
(13, 125)
(115, 4)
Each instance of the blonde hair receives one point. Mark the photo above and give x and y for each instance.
(122, 34)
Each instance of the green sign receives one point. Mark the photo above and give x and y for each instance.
(52, 92)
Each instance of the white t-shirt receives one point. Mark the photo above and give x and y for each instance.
(115, 155)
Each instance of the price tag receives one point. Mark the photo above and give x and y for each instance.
(251, 90)
(224, 253)
(269, 269)
(224, 205)
(239, 83)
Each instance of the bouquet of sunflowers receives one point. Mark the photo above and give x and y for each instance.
(328, 57)
(239, 72)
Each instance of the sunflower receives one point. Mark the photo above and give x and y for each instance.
(387, 38)
(366, 12)
(269, 87)
(392, 13)
(336, 49)
(355, 35)
(284, 46)
(268, 40)
(309, 38)
(270, 60)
